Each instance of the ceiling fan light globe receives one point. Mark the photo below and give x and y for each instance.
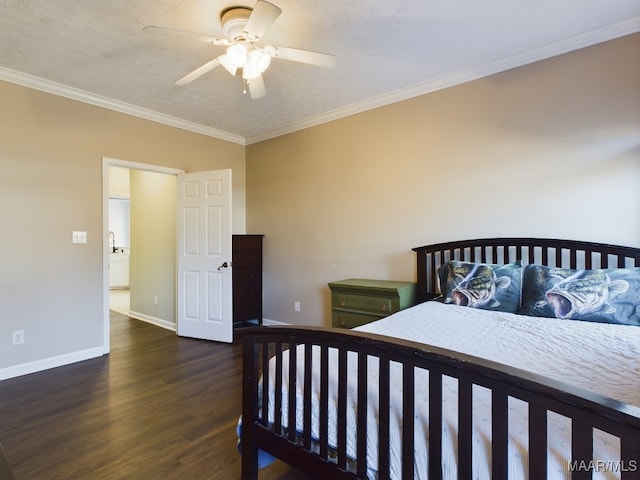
(249, 73)
(257, 63)
(259, 60)
(227, 64)
(237, 55)
(263, 61)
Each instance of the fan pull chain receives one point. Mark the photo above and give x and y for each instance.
(244, 86)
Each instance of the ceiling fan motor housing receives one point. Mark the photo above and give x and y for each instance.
(234, 20)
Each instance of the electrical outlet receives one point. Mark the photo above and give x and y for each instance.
(18, 337)
(155, 299)
(296, 306)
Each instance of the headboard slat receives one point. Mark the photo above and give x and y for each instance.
(573, 256)
(588, 259)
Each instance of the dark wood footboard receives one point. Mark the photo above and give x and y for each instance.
(299, 448)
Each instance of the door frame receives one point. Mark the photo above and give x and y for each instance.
(106, 163)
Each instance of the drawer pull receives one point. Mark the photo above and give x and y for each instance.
(343, 303)
(383, 307)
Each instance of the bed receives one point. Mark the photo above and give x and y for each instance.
(446, 390)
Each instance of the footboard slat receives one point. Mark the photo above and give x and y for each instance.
(324, 402)
(537, 441)
(308, 359)
(383, 429)
(264, 417)
(465, 409)
(277, 417)
(291, 391)
(408, 408)
(362, 415)
(499, 435)
(581, 449)
(630, 458)
(342, 409)
(435, 424)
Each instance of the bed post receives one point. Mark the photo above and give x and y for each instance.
(421, 261)
(249, 408)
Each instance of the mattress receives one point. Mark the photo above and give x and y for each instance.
(602, 358)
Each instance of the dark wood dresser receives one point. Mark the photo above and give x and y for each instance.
(247, 279)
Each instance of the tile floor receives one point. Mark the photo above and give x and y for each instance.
(119, 301)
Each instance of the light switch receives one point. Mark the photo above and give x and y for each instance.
(79, 237)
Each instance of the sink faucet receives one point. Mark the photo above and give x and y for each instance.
(112, 237)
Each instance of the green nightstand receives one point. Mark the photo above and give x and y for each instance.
(357, 301)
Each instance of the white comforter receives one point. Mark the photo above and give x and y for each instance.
(599, 357)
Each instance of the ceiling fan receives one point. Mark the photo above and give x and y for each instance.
(244, 27)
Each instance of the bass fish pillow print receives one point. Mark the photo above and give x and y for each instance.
(602, 295)
(481, 285)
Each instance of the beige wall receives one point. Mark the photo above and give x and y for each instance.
(51, 151)
(119, 182)
(153, 246)
(549, 150)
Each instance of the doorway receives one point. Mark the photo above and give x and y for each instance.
(119, 239)
(153, 301)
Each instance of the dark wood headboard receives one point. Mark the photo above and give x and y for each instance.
(557, 253)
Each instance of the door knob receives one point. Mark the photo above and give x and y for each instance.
(224, 265)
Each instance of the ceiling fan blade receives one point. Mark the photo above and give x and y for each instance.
(262, 17)
(173, 32)
(256, 87)
(198, 72)
(303, 56)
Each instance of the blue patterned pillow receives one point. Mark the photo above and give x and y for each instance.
(482, 285)
(602, 295)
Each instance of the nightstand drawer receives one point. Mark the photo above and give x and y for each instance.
(351, 320)
(367, 303)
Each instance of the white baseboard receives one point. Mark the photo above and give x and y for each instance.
(59, 361)
(51, 362)
(153, 320)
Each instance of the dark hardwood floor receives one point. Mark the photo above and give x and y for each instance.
(158, 406)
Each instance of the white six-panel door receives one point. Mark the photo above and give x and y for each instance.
(204, 295)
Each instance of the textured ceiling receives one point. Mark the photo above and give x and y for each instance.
(96, 51)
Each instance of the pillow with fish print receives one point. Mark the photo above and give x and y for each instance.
(602, 295)
(482, 285)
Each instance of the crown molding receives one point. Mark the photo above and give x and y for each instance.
(604, 34)
(48, 86)
(577, 42)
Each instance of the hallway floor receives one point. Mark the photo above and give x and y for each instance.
(119, 301)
